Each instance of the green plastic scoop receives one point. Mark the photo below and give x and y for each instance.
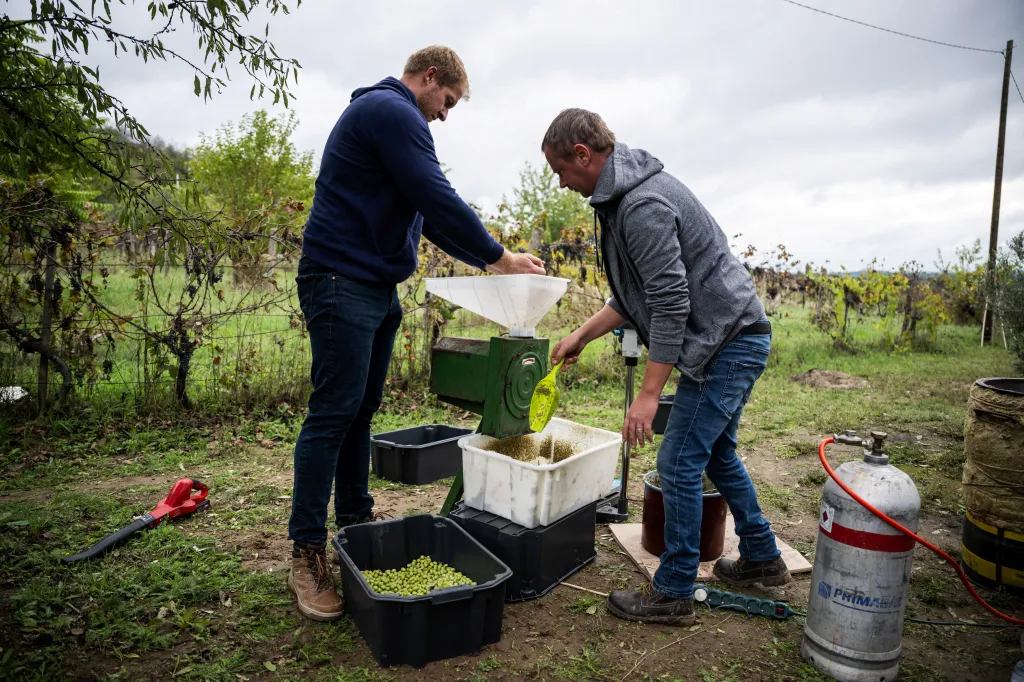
(546, 395)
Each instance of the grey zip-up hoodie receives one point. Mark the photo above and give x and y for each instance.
(668, 262)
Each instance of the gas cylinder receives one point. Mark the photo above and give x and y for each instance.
(861, 569)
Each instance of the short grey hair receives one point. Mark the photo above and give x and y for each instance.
(577, 126)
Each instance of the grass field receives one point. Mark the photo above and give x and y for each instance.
(205, 599)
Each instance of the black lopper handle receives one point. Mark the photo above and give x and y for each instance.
(111, 540)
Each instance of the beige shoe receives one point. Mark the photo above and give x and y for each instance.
(312, 581)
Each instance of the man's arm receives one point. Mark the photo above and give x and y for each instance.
(406, 149)
(451, 248)
(508, 264)
(599, 324)
(652, 241)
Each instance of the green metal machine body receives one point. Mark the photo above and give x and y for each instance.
(492, 377)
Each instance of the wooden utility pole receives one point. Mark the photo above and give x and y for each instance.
(988, 321)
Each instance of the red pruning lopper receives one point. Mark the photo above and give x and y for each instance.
(179, 502)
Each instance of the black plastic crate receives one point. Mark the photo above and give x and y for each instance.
(418, 630)
(418, 455)
(540, 557)
(661, 416)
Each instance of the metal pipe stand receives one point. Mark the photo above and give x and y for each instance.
(615, 507)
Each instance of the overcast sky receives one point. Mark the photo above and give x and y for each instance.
(842, 142)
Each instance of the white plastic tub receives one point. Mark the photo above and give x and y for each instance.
(535, 494)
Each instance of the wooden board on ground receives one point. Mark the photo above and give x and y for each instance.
(628, 537)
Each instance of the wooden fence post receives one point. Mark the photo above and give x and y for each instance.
(46, 323)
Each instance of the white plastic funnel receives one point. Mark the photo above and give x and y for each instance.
(517, 302)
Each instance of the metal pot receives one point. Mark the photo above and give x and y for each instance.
(712, 522)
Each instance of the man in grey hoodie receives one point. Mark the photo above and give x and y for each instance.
(695, 308)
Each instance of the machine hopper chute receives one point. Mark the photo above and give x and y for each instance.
(516, 302)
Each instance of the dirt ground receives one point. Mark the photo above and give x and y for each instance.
(568, 634)
(827, 378)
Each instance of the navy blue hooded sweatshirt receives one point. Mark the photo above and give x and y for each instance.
(380, 187)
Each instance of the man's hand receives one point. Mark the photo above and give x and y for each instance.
(568, 348)
(637, 429)
(517, 264)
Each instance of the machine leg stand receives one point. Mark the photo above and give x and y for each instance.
(610, 510)
(615, 508)
(455, 492)
(454, 495)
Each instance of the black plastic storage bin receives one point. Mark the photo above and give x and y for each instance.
(661, 416)
(418, 455)
(540, 557)
(418, 630)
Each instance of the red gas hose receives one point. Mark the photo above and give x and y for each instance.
(907, 531)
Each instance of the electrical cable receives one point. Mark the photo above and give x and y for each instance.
(1016, 86)
(889, 30)
(952, 562)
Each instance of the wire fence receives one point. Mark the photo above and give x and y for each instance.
(251, 347)
(250, 342)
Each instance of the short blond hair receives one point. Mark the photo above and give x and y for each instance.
(577, 126)
(451, 72)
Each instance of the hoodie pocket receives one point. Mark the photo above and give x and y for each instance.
(726, 279)
(402, 248)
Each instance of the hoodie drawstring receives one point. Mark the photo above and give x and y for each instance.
(597, 243)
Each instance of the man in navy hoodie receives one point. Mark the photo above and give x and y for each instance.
(379, 188)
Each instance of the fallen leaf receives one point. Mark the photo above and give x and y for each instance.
(162, 613)
(269, 666)
(181, 465)
(592, 610)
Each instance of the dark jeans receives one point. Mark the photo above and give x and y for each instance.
(701, 434)
(352, 329)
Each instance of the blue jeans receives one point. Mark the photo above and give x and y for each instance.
(352, 328)
(701, 434)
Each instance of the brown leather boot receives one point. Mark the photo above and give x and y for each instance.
(312, 581)
(743, 573)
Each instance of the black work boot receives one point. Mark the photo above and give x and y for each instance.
(368, 517)
(743, 573)
(651, 606)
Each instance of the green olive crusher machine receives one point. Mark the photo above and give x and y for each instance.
(494, 377)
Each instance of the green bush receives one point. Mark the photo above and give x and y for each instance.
(1007, 291)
